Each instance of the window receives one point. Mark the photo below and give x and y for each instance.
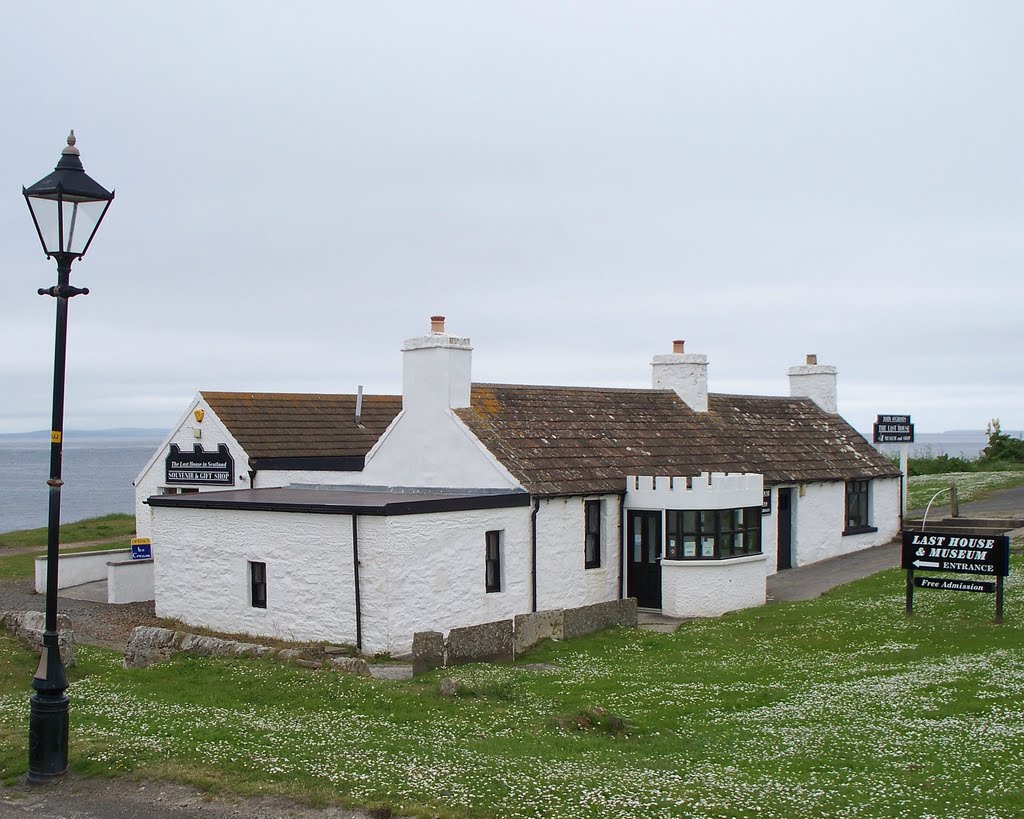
(592, 536)
(492, 562)
(178, 490)
(857, 508)
(713, 534)
(258, 584)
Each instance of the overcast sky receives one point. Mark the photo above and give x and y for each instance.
(573, 184)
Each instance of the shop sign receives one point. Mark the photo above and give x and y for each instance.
(766, 501)
(200, 467)
(142, 549)
(957, 552)
(893, 429)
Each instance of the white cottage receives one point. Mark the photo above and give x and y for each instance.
(364, 519)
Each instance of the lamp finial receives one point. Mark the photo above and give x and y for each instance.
(71, 149)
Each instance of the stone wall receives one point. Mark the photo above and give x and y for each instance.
(149, 645)
(504, 640)
(28, 626)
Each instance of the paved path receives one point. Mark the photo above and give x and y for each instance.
(808, 582)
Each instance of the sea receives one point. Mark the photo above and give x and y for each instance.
(98, 470)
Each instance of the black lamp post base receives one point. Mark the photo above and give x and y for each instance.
(47, 738)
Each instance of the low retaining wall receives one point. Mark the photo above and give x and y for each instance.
(80, 567)
(149, 645)
(130, 581)
(504, 640)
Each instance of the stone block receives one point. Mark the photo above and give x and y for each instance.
(533, 629)
(588, 619)
(148, 645)
(627, 612)
(485, 643)
(351, 665)
(427, 651)
(28, 627)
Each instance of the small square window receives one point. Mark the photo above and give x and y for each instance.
(592, 536)
(258, 584)
(492, 561)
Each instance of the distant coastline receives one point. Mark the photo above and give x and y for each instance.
(87, 434)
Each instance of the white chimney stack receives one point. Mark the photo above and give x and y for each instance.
(436, 370)
(815, 381)
(686, 373)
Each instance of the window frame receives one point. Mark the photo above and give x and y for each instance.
(492, 561)
(257, 584)
(857, 500)
(713, 534)
(593, 512)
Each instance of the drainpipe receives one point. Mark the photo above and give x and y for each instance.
(533, 554)
(355, 573)
(622, 550)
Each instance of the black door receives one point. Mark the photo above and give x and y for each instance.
(643, 571)
(785, 513)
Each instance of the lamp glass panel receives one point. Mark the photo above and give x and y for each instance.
(79, 222)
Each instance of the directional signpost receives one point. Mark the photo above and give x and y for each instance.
(896, 429)
(959, 553)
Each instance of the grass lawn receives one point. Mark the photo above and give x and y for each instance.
(835, 707)
(969, 486)
(108, 526)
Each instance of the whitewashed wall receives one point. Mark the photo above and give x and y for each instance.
(153, 475)
(201, 572)
(562, 580)
(426, 572)
(819, 517)
(708, 588)
(417, 572)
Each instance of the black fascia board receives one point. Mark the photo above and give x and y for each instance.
(326, 463)
(207, 500)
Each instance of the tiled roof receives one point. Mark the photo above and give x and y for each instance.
(575, 440)
(284, 425)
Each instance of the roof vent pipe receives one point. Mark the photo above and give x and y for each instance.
(359, 405)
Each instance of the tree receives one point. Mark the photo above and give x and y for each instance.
(1002, 447)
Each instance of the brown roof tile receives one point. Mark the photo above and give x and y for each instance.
(577, 440)
(289, 425)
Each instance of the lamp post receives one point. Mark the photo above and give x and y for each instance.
(67, 207)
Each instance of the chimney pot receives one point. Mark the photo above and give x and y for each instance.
(812, 358)
(437, 324)
(677, 345)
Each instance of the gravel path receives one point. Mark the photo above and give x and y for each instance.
(98, 624)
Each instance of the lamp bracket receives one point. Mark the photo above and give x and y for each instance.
(63, 291)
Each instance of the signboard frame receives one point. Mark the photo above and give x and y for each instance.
(958, 553)
(199, 467)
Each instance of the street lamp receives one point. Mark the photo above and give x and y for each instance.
(67, 207)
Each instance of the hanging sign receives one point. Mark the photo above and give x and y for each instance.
(893, 429)
(201, 467)
(766, 501)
